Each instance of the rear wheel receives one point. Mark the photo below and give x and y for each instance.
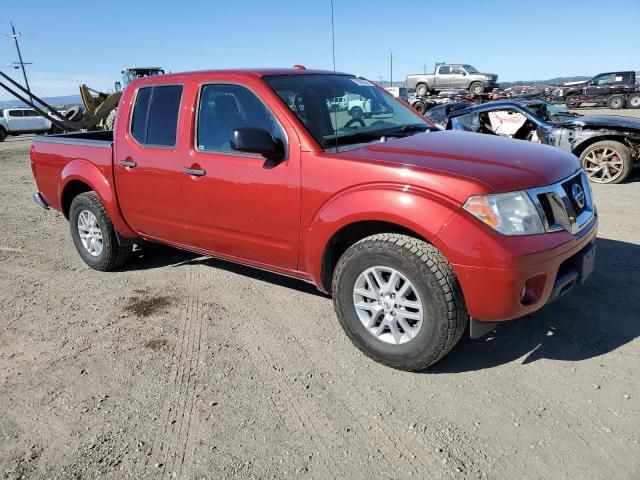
(572, 101)
(422, 89)
(93, 234)
(398, 301)
(356, 112)
(3, 134)
(607, 162)
(476, 88)
(615, 102)
(634, 101)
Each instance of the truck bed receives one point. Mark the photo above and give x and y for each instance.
(57, 159)
(96, 139)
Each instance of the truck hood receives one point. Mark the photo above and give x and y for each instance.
(501, 164)
(617, 122)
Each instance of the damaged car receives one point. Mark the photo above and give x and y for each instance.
(608, 146)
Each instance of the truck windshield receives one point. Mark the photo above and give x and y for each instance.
(471, 69)
(341, 109)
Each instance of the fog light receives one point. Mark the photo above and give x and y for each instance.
(523, 292)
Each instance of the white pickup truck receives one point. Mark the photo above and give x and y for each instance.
(16, 121)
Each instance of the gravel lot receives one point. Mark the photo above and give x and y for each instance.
(181, 366)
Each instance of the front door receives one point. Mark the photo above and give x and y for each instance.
(148, 170)
(241, 205)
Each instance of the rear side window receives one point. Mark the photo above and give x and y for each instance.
(155, 115)
(15, 113)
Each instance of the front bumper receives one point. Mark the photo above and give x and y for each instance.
(534, 279)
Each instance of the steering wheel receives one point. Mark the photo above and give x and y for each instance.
(350, 123)
(380, 123)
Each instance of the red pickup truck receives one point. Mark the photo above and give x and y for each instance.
(415, 232)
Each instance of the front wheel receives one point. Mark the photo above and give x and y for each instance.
(607, 161)
(476, 88)
(93, 234)
(398, 301)
(3, 134)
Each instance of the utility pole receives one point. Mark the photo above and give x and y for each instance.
(391, 73)
(424, 69)
(20, 62)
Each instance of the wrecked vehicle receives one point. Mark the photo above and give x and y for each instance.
(606, 145)
(612, 89)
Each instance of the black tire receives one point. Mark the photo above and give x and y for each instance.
(476, 88)
(3, 134)
(112, 255)
(430, 273)
(74, 114)
(622, 151)
(356, 112)
(422, 89)
(615, 102)
(420, 107)
(633, 101)
(572, 101)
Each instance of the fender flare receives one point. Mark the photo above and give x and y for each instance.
(86, 172)
(416, 210)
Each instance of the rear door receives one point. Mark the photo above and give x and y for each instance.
(443, 77)
(35, 122)
(147, 165)
(458, 77)
(237, 204)
(16, 121)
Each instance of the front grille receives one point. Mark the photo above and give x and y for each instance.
(559, 207)
(568, 186)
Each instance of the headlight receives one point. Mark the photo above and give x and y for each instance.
(509, 213)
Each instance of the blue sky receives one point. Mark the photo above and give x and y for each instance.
(73, 41)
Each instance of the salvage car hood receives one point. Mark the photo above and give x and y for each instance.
(502, 164)
(617, 122)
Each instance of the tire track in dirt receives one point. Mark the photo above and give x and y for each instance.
(305, 411)
(173, 440)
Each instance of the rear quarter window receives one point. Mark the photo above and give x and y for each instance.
(154, 121)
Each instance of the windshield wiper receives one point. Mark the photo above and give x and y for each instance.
(355, 137)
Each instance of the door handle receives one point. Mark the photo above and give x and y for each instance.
(127, 163)
(196, 172)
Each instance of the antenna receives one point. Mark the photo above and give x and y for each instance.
(333, 54)
(333, 40)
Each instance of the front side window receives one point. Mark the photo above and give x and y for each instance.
(31, 113)
(341, 109)
(225, 108)
(154, 121)
(457, 70)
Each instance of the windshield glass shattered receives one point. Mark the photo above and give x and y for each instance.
(340, 110)
(550, 112)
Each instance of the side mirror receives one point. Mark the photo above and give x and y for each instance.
(256, 140)
(464, 73)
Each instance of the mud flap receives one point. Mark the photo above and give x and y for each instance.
(480, 329)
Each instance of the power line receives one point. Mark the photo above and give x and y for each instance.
(15, 37)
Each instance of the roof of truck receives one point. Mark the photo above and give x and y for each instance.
(259, 72)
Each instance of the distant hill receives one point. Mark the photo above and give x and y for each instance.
(64, 100)
(551, 81)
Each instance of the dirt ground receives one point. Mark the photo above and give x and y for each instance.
(180, 366)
